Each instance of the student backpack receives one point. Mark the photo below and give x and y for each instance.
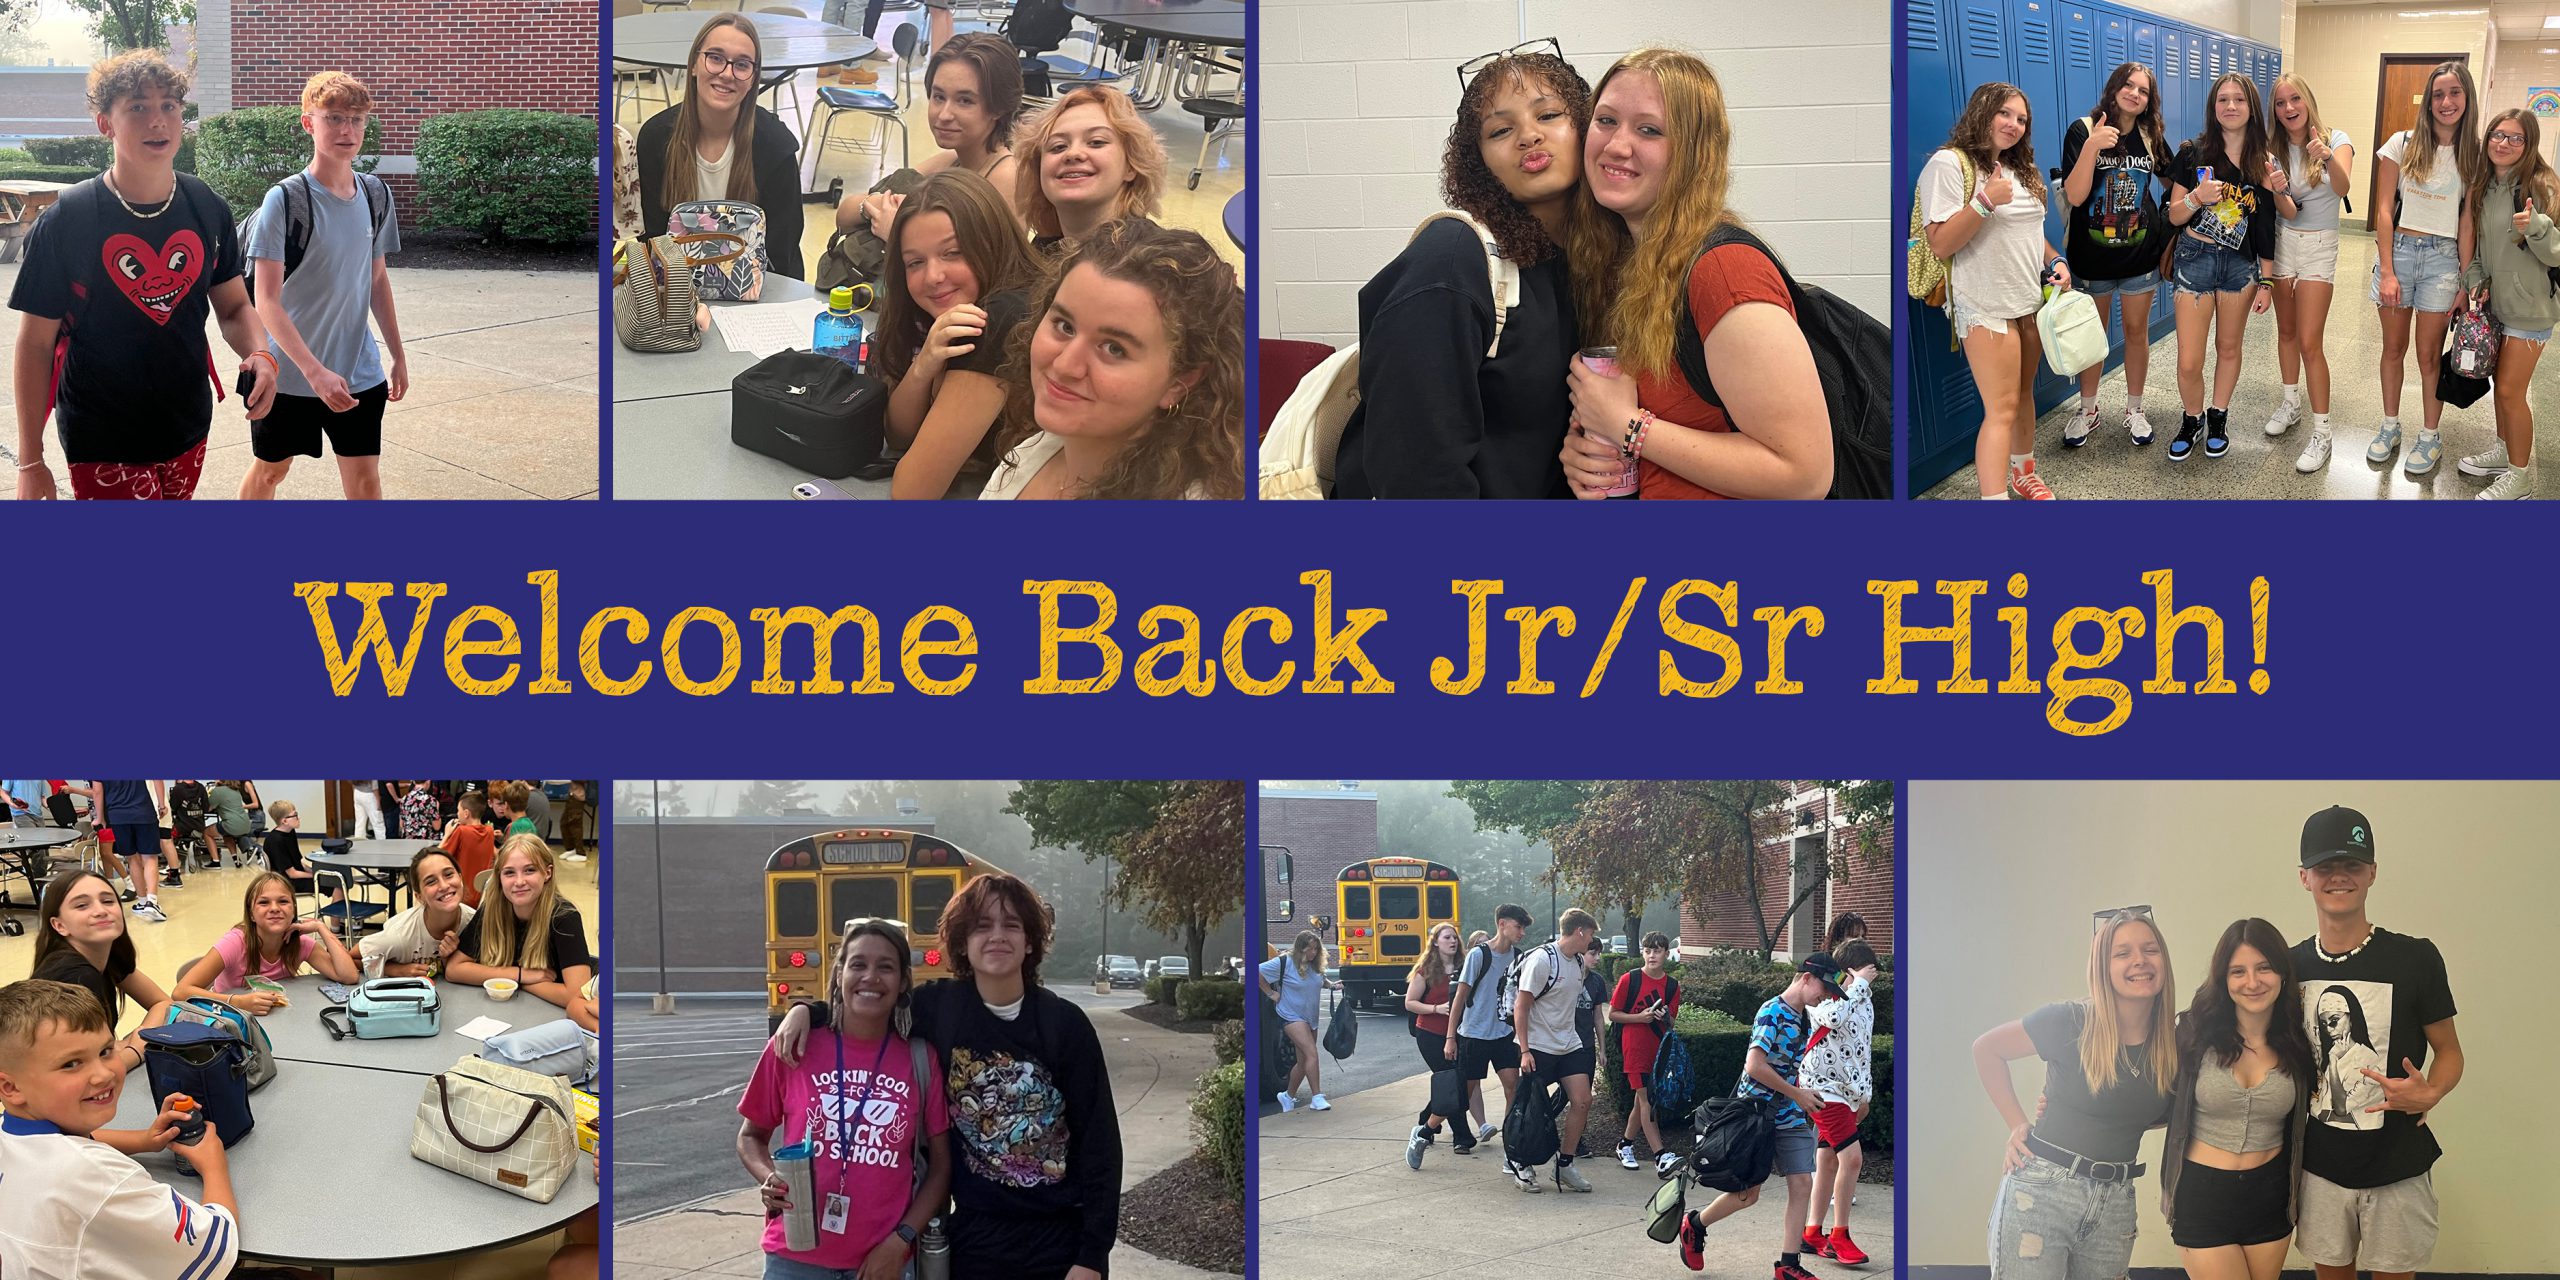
(1924, 272)
(208, 1064)
(1298, 453)
(239, 1026)
(1529, 1137)
(81, 292)
(1737, 1143)
(297, 220)
(1509, 992)
(1853, 356)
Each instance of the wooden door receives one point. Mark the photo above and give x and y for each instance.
(2399, 102)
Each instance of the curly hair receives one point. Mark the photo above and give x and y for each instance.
(1140, 197)
(1972, 136)
(1468, 184)
(335, 90)
(1198, 445)
(999, 69)
(990, 242)
(973, 909)
(129, 75)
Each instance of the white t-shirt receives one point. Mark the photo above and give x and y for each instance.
(78, 1209)
(711, 177)
(2315, 202)
(2436, 208)
(1025, 461)
(1559, 977)
(1999, 273)
(405, 939)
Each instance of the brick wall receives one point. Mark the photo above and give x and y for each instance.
(467, 55)
(1724, 920)
(1324, 832)
(1356, 101)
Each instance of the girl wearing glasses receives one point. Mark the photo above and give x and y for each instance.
(2228, 192)
(1992, 239)
(2423, 237)
(1094, 160)
(1035, 1173)
(1457, 399)
(2518, 269)
(1656, 165)
(1129, 382)
(718, 144)
(872, 1099)
(2233, 1162)
(2066, 1203)
(956, 290)
(2318, 163)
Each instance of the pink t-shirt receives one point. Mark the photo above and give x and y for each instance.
(870, 1162)
(234, 951)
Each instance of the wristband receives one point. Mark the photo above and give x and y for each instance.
(1637, 428)
(268, 356)
(1980, 210)
(30, 466)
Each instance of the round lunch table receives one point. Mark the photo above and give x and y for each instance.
(21, 849)
(1213, 24)
(324, 1131)
(1233, 216)
(789, 45)
(384, 864)
(295, 1033)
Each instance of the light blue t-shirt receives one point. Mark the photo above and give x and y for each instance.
(1482, 973)
(1297, 988)
(330, 292)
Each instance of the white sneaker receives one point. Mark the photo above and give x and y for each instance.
(1486, 1133)
(1415, 1145)
(2137, 426)
(573, 856)
(2315, 453)
(1571, 1179)
(2486, 464)
(1288, 1103)
(2514, 482)
(1527, 1178)
(1627, 1155)
(1317, 1103)
(2075, 431)
(2288, 412)
(149, 909)
(1667, 1162)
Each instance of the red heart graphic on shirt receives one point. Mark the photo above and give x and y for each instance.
(155, 278)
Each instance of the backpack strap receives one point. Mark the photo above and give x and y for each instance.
(297, 218)
(1503, 274)
(377, 202)
(1690, 348)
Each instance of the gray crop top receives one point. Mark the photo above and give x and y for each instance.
(2241, 1120)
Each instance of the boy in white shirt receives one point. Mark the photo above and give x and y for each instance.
(1839, 1068)
(73, 1204)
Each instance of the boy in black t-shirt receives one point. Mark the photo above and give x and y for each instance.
(117, 280)
(2377, 1003)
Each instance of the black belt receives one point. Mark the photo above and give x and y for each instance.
(2082, 1166)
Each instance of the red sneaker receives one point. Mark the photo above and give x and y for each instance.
(1814, 1240)
(1841, 1249)
(1784, 1272)
(1693, 1243)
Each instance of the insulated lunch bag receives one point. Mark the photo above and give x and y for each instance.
(208, 1064)
(239, 1026)
(510, 1128)
(809, 410)
(725, 241)
(386, 1009)
(2074, 334)
(653, 302)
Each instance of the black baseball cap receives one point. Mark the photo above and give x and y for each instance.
(1821, 965)
(2336, 832)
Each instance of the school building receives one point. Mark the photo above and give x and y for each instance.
(1798, 843)
(1321, 832)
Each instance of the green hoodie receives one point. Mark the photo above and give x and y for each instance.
(2521, 294)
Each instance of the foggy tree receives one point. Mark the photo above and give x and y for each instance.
(1178, 846)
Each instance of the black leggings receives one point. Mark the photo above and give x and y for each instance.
(1433, 1058)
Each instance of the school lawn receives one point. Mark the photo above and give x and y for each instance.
(502, 403)
(1338, 1200)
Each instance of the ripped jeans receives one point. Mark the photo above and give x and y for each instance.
(2050, 1225)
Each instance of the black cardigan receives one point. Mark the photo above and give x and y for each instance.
(777, 171)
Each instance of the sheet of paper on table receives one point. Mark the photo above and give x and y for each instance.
(762, 329)
(480, 1028)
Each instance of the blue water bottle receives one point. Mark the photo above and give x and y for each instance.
(839, 329)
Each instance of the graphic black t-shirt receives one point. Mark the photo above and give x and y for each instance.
(2114, 232)
(134, 383)
(2243, 220)
(568, 936)
(2369, 1011)
(66, 965)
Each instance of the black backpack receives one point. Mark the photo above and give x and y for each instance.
(1038, 26)
(1529, 1136)
(1737, 1143)
(297, 220)
(1853, 353)
(1507, 994)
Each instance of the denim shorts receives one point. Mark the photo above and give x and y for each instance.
(2051, 1225)
(2534, 336)
(2429, 271)
(2307, 255)
(2202, 269)
(2144, 283)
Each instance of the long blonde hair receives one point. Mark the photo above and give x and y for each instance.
(1430, 966)
(2420, 159)
(2534, 176)
(2281, 138)
(2102, 1040)
(1633, 288)
(677, 186)
(500, 947)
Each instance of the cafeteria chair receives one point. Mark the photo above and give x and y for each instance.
(885, 110)
(1283, 362)
(631, 81)
(1221, 116)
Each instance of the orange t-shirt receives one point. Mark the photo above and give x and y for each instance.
(474, 850)
(1724, 278)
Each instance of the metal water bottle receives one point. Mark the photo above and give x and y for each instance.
(796, 1163)
(933, 1253)
(190, 1128)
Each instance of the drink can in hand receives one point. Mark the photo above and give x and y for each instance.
(1604, 361)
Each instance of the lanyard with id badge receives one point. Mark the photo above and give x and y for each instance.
(839, 1207)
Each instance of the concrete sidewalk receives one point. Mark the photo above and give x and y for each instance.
(502, 403)
(1152, 1071)
(1338, 1201)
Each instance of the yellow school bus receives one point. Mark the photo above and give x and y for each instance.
(1384, 911)
(816, 883)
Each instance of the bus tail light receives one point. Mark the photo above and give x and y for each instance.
(781, 989)
(933, 956)
(799, 959)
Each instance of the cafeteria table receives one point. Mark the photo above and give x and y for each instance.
(788, 45)
(1234, 216)
(1214, 24)
(296, 1035)
(22, 851)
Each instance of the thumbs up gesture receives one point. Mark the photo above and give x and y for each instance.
(2102, 134)
(2524, 218)
(2316, 153)
(2276, 180)
(1997, 189)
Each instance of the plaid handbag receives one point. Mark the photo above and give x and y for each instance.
(653, 300)
(513, 1129)
(725, 240)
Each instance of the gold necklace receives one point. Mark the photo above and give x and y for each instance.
(109, 179)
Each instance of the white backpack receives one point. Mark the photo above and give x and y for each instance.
(1298, 452)
(2075, 335)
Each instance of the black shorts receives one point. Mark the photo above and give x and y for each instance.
(295, 424)
(1556, 1067)
(1475, 1057)
(2219, 1207)
(1031, 1248)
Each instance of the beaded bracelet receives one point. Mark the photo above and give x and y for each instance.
(1638, 427)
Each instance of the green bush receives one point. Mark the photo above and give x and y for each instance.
(527, 175)
(1228, 1039)
(249, 150)
(1160, 989)
(92, 153)
(1883, 996)
(1218, 998)
(43, 173)
(1217, 1116)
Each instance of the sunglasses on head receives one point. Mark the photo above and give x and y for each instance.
(1467, 70)
(2099, 920)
